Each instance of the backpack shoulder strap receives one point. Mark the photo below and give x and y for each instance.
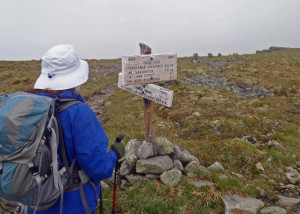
(65, 103)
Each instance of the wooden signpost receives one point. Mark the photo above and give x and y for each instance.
(138, 71)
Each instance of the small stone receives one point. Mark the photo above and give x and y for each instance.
(202, 183)
(293, 178)
(287, 202)
(269, 160)
(164, 147)
(108, 103)
(275, 144)
(178, 165)
(237, 175)
(236, 204)
(273, 210)
(298, 163)
(216, 166)
(171, 178)
(272, 181)
(194, 166)
(145, 150)
(259, 167)
(262, 192)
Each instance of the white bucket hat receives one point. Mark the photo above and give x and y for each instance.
(62, 69)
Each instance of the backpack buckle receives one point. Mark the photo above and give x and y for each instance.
(33, 169)
(77, 180)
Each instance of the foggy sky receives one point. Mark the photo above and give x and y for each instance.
(109, 29)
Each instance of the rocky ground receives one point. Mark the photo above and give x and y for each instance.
(173, 162)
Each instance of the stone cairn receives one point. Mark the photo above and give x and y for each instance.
(210, 55)
(195, 58)
(140, 164)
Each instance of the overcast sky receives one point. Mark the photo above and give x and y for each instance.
(112, 28)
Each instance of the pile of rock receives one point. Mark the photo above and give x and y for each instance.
(272, 48)
(171, 161)
(195, 58)
(243, 90)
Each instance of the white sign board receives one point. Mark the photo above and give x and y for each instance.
(143, 69)
(150, 92)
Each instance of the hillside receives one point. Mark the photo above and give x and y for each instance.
(238, 110)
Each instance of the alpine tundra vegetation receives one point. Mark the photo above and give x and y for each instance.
(238, 115)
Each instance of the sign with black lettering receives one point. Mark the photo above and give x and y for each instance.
(143, 69)
(150, 92)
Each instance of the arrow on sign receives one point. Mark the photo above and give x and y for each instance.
(150, 91)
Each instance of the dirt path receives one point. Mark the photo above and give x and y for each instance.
(96, 102)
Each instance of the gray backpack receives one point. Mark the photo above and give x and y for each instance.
(31, 172)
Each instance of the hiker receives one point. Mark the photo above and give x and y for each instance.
(61, 76)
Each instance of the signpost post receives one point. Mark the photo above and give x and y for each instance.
(138, 71)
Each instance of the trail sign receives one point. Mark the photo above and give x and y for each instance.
(143, 69)
(150, 92)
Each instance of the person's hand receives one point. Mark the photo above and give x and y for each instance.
(118, 147)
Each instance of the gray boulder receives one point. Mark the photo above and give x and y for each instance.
(210, 55)
(183, 155)
(275, 144)
(171, 178)
(145, 150)
(136, 178)
(238, 204)
(273, 210)
(293, 175)
(132, 146)
(178, 165)
(154, 165)
(128, 165)
(287, 201)
(194, 166)
(216, 166)
(164, 147)
(202, 183)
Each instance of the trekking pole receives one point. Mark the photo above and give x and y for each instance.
(113, 210)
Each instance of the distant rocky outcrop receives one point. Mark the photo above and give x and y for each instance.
(272, 48)
(210, 55)
(243, 90)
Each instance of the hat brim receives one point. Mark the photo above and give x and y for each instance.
(64, 81)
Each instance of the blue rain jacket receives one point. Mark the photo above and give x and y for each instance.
(85, 138)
